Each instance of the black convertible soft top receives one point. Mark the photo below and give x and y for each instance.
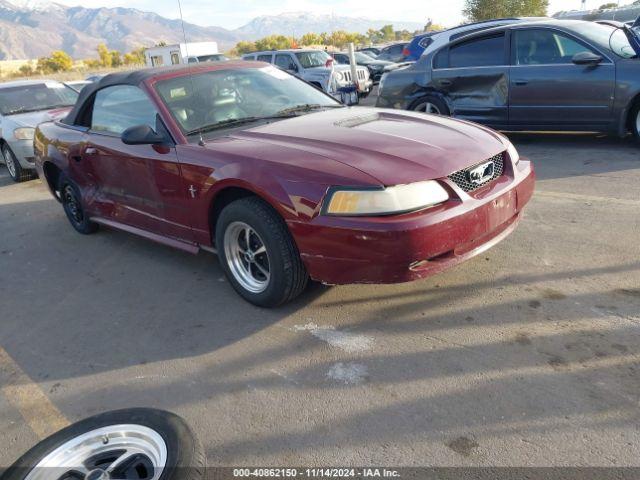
(122, 78)
(136, 77)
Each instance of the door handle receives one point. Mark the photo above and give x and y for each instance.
(90, 151)
(520, 82)
(445, 83)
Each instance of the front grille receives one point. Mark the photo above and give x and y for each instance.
(347, 76)
(463, 180)
(361, 74)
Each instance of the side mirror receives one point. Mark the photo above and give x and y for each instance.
(586, 58)
(142, 135)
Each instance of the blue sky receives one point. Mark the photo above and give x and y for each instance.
(232, 14)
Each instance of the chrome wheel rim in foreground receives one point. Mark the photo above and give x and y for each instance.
(9, 162)
(247, 257)
(72, 203)
(428, 107)
(638, 122)
(117, 451)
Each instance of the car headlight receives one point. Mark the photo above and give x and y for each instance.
(384, 201)
(513, 153)
(24, 133)
(339, 76)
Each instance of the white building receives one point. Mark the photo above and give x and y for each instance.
(182, 53)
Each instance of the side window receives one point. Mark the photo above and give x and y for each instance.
(175, 58)
(192, 60)
(264, 58)
(482, 52)
(249, 58)
(341, 59)
(119, 107)
(425, 42)
(441, 60)
(285, 62)
(544, 47)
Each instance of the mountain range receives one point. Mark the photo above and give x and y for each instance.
(34, 28)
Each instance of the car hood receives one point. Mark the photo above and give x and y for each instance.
(393, 147)
(33, 119)
(382, 63)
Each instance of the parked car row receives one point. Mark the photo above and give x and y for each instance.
(527, 75)
(376, 67)
(315, 67)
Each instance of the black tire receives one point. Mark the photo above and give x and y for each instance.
(288, 276)
(634, 121)
(16, 172)
(185, 456)
(73, 207)
(438, 103)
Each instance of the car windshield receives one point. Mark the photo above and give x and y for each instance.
(313, 59)
(212, 58)
(608, 37)
(225, 98)
(35, 97)
(362, 58)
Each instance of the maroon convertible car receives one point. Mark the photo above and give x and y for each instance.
(283, 181)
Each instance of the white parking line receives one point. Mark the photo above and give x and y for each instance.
(585, 198)
(24, 394)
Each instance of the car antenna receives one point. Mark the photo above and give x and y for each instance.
(186, 51)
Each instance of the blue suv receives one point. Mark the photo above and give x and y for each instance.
(413, 51)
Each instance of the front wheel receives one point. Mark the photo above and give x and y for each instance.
(635, 121)
(137, 443)
(257, 253)
(17, 173)
(432, 105)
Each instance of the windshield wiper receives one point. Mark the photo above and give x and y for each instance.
(232, 122)
(19, 110)
(307, 107)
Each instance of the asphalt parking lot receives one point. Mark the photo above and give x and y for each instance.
(528, 355)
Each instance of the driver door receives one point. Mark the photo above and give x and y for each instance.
(136, 185)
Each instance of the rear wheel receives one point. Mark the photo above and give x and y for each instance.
(17, 173)
(432, 105)
(257, 253)
(137, 443)
(73, 207)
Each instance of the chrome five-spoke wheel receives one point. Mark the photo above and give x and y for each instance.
(428, 107)
(10, 163)
(247, 257)
(112, 452)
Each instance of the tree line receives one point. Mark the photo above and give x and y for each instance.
(60, 61)
(337, 39)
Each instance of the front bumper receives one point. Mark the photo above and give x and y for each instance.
(402, 248)
(23, 150)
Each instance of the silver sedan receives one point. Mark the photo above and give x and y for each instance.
(23, 106)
